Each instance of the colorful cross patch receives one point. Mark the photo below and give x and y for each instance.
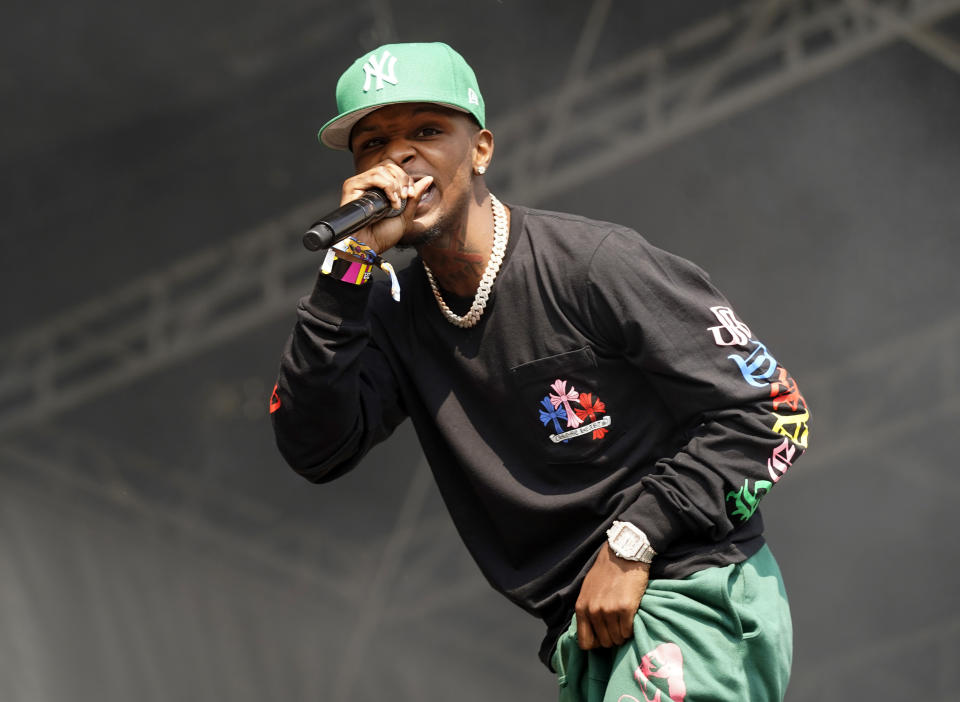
(570, 413)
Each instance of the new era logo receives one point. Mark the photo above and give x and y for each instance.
(382, 70)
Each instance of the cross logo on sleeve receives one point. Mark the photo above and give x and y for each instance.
(739, 333)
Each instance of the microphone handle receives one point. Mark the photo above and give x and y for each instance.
(370, 207)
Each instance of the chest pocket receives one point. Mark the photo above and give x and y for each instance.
(564, 419)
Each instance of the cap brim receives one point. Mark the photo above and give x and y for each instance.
(336, 132)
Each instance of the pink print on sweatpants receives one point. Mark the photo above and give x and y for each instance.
(665, 661)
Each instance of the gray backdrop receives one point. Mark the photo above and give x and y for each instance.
(159, 165)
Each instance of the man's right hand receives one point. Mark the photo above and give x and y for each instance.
(398, 186)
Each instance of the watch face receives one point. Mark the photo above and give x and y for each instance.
(628, 543)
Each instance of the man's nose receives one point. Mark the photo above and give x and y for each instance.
(400, 151)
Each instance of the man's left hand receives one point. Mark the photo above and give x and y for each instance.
(609, 599)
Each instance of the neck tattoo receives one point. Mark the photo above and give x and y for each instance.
(500, 234)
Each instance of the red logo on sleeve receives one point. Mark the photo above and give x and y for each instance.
(274, 400)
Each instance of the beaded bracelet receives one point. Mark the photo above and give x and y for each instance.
(359, 273)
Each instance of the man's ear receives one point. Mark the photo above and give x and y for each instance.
(482, 150)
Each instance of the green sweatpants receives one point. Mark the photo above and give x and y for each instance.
(722, 634)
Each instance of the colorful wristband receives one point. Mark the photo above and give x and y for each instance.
(359, 273)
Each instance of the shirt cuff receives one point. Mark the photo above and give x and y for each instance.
(332, 297)
(657, 519)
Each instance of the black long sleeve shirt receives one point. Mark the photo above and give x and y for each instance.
(607, 379)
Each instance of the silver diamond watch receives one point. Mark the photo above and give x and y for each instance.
(630, 543)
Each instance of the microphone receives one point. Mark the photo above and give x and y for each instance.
(370, 207)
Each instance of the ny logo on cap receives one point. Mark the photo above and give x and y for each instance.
(382, 70)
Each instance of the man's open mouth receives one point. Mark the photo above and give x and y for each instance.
(427, 196)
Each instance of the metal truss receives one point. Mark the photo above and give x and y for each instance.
(718, 68)
(600, 119)
(158, 320)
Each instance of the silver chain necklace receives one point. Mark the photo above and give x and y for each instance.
(500, 234)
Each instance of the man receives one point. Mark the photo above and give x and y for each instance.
(600, 423)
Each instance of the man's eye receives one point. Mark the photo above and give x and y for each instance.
(429, 131)
(371, 143)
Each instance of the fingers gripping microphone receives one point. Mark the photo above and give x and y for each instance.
(370, 207)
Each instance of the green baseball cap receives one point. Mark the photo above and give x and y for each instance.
(395, 73)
